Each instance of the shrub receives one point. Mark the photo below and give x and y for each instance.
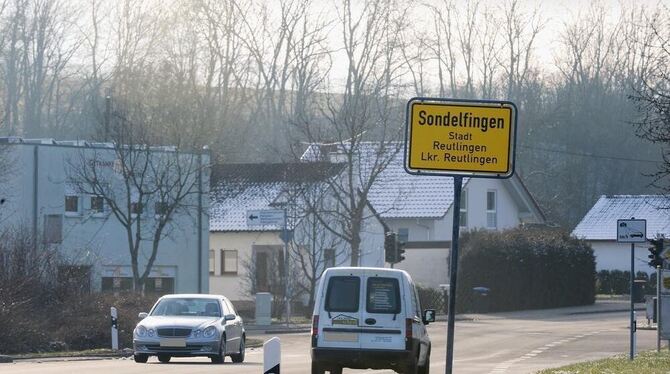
(525, 268)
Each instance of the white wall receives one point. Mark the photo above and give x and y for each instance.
(98, 240)
(429, 266)
(611, 255)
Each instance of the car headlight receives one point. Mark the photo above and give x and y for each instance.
(197, 333)
(140, 331)
(209, 332)
(150, 332)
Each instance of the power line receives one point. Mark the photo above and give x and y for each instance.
(591, 155)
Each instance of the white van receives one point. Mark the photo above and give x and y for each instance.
(369, 318)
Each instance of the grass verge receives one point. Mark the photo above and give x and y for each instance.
(644, 363)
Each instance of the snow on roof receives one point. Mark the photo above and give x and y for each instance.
(600, 222)
(395, 193)
(238, 188)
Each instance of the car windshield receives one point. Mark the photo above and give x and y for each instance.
(187, 307)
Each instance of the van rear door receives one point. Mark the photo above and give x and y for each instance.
(383, 312)
(340, 317)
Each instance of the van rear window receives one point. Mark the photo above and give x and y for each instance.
(343, 294)
(383, 295)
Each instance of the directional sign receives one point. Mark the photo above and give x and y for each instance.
(265, 217)
(631, 230)
(455, 137)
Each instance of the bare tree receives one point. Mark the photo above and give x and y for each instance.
(653, 98)
(362, 124)
(143, 178)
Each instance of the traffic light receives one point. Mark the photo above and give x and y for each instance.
(401, 251)
(390, 247)
(655, 258)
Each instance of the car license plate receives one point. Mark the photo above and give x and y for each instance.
(331, 336)
(173, 342)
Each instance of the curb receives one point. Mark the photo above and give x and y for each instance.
(72, 357)
(6, 359)
(606, 311)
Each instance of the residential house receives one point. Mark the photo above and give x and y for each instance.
(599, 228)
(246, 258)
(420, 208)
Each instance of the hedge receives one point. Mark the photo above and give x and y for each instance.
(524, 268)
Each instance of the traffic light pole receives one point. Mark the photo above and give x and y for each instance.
(658, 309)
(453, 272)
(632, 301)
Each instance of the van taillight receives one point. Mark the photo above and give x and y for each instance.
(315, 325)
(408, 333)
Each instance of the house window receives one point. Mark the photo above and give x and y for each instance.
(135, 208)
(159, 286)
(160, 208)
(97, 204)
(228, 261)
(491, 211)
(72, 204)
(53, 228)
(212, 262)
(117, 284)
(329, 258)
(463, 216)
(403, 234)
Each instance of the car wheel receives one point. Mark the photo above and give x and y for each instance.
(218, 359)
(337, 370)
(317, 368)
(411, 369)
(164, 358)
(141, 358)
(240, 356)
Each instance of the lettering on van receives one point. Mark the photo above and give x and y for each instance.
(342, 319)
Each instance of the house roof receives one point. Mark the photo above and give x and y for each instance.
(600, 222)
(397, 194)
(238, 188)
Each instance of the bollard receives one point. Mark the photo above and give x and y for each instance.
(115, 329)
(271, 356)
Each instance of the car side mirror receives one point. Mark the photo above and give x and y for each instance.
(229, 317)
(142, 315)
(428, 316)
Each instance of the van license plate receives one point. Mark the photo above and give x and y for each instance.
(331, 336)
(173, 342)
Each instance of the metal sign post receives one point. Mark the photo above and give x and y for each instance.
(459, 138)
(632, 231)
(453, 271)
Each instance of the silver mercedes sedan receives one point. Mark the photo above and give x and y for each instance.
(187, 325)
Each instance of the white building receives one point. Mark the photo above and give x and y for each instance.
(41, 196)
(420, 210)
(599, 228)
(241, 253)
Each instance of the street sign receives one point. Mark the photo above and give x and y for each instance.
(665, 282)
(631, 230)
(459, 137)
(265, 217)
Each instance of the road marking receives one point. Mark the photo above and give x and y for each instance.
(504, 366)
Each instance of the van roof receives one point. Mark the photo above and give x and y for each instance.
(359, 270)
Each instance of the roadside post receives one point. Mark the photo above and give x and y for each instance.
(459, 138)
(115, 329)
(631, 231)
(271, 356)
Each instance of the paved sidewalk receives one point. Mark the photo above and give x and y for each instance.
(602, 305)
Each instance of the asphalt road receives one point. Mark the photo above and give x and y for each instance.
(521, 342)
